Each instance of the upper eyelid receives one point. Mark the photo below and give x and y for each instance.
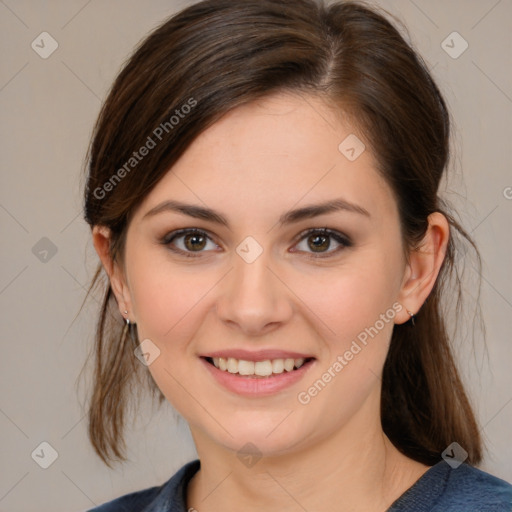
(326, 231)
(167, 238)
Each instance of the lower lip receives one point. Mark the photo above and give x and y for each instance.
(257, 386)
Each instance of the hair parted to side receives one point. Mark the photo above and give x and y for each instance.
(218, 54)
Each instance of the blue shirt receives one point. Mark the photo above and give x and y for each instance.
(440, 489)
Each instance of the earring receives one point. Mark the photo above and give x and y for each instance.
(412, 317)
(127, 319)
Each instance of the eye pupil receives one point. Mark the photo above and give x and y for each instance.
(319, 242)
(195, 242)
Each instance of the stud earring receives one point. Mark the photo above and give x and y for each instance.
(412, 316)
(127, 319)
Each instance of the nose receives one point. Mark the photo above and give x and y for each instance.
(253, 298)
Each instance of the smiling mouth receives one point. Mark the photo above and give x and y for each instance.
(258, 369)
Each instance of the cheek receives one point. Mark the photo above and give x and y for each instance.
(357, 309)
(170, 303)
(350, 299)
(166, 299)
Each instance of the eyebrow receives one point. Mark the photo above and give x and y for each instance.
(307, 212)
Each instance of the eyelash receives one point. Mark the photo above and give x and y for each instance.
(338, 237)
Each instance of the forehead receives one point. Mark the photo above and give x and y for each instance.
(268, 156)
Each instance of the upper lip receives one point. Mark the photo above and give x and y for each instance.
(258, 355)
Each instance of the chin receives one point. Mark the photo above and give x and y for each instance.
(262, 434)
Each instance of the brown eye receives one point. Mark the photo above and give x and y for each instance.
(319, 241)
(195, 242)
(188, 242)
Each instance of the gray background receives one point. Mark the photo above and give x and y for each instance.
(48, 110)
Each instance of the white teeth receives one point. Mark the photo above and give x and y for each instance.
(288, 364)
(278, 366)
(259, 368)
(245, 367)
(232, 365)
(263, 368)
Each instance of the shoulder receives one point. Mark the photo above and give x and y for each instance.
(456, 489)
(168, 496)
(131, 502)
(470, 488)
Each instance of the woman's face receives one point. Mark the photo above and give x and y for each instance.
(254, 285)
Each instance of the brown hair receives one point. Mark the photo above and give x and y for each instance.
(218, 54)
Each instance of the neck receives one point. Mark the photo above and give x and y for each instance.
(354, 469)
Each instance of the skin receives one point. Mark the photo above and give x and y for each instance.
(256, 163)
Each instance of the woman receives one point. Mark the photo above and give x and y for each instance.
(263, 196)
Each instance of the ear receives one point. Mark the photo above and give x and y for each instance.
(101, 237)
(423, 268)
